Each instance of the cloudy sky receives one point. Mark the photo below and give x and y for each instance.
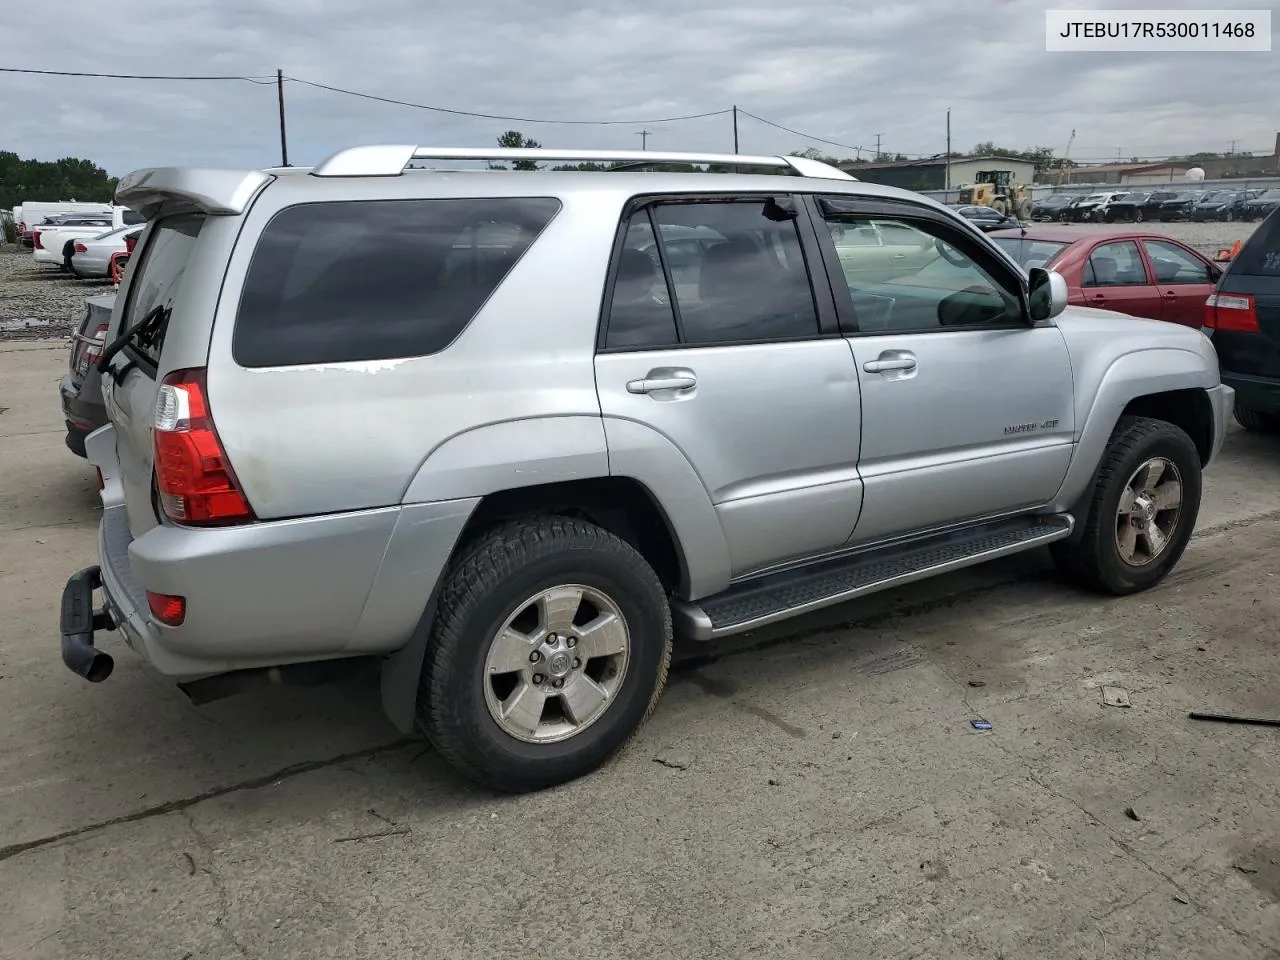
(839, 71)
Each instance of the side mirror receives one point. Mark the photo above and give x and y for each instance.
(1048, 294)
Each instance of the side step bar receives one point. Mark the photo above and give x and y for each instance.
(764, 600)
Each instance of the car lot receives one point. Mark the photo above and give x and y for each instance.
(810, 793)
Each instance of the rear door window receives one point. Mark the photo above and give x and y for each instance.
(378, 279)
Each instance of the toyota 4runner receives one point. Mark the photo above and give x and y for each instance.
(506, 434)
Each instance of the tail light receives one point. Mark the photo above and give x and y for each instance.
(1235, 312)
(169, 610)
(196, 483)
(89, 349)
(130, 242)
(35, 238)
(81, 248)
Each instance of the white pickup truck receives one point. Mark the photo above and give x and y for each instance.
(55, 244)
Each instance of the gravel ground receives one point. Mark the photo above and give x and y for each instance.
(38, 301)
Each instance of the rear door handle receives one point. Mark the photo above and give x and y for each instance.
(649, 385)
(900, 363)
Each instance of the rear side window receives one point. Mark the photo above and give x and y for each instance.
(157, 278)
(1260, 256)
(378, 279)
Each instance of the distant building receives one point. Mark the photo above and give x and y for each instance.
(1124, 173)
(931, 173)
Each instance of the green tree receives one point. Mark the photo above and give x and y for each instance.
(813, 153)
(69, 178)
(1042, 157)
(515, 140)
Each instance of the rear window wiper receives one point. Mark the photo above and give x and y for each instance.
(150, 322)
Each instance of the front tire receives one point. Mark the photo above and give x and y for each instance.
(1145, 502)
(550, 648)
(1257, 420)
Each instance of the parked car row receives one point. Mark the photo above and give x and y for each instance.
(82, 244)
(1159, 205)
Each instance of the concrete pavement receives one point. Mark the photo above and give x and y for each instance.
(811, 792)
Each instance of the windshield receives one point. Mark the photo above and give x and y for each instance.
(1031, 253)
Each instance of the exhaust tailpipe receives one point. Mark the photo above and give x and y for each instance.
(79, 621)
(86, 660)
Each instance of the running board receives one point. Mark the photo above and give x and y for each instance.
(758, 602)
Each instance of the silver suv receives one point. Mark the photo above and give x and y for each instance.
(505, 434)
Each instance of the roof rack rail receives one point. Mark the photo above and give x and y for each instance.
(391, 160)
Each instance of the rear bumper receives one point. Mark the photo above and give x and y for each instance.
(45, 255)
(275, 593)
(1255, 393)
(81, 413)
(85, 265)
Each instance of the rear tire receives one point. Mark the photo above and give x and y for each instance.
(1136, 530)
(1257, 420)
(519, 729)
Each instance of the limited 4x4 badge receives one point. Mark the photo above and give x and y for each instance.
(1028, 427)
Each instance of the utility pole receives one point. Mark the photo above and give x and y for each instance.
(735, 128)
(877, 146)
(948, 180)
(1233, 147)
(644, 139)
(284, 143)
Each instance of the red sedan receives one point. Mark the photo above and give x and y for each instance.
(1141, 274)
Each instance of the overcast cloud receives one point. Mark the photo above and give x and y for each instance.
(832, 70)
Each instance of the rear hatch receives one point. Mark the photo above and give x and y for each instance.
(153, 293)
(1244, 311)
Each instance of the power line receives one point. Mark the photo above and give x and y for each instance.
(131, 76)
(491, 116)
(806, 136)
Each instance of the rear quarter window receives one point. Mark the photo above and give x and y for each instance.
(1260, 256)
(378, 279)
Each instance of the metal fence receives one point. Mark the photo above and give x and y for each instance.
(1040, 191)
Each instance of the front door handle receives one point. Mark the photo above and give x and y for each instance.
(650, 385)
(895, 363)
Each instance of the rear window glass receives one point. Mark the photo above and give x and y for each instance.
(157, 278)
(1260, 256)
(378, 279)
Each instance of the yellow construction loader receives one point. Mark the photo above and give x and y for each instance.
(991, 188)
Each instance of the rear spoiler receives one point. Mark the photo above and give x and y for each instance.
(217, 192)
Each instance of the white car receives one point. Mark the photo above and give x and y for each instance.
(91, 258)
(56, 244)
